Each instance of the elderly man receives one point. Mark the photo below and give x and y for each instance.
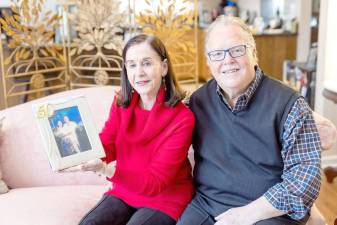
(257, 150)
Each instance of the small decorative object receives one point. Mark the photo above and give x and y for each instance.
(69, 133)
(101, 77)
(230, 8)
(37, 82)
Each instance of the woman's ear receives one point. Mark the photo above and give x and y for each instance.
(165, 68)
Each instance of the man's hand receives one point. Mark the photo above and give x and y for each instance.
(235, 216)
(257, 210)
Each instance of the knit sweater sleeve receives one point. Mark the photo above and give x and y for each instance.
(166, 162)
(109, 133)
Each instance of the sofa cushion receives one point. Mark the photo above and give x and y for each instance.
(22, 155)
(2, 118)
(58, 205)
(3, 186)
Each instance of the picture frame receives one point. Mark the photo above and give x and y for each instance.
(68, 131)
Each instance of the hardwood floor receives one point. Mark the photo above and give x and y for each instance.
(327, 200)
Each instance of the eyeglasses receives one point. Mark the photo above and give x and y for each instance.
(234, 52)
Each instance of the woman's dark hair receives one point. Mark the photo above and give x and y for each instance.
(173, 94)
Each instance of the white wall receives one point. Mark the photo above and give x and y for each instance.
(50, 4)
(303, 36)
(327, 48)
(209, 5)
(327, 67)
(251, 5)
(322, 36)
(4, 3)
(331, 40)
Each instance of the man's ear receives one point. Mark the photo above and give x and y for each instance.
(165, 68)
(254, 54)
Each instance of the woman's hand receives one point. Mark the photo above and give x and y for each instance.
(95, 165)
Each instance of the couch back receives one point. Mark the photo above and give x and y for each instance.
(23, 159)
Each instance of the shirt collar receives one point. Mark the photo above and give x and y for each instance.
(245, 97)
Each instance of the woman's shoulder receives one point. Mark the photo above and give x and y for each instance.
(184, 110)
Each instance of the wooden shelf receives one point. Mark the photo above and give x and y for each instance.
(272, 50)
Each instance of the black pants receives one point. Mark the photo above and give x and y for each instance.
(195, 215)
(113, 211)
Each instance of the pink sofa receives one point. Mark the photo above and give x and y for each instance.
(38, 196)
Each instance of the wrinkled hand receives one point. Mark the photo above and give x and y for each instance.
(234, 216)
(95, 165)
(92, 165)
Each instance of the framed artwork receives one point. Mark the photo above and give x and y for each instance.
(68, 131)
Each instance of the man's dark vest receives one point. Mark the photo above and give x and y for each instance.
(238, 155)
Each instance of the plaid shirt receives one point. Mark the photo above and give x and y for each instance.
(301, 154)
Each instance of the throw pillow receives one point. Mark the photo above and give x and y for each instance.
(3, 186)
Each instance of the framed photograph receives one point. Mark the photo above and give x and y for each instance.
(68, 131)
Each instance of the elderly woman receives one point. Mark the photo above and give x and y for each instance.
(148, 134)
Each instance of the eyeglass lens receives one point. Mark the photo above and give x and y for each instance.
(234, 52)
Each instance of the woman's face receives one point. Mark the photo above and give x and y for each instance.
(145, 69)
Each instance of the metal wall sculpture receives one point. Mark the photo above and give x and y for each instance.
(95, 50)
(175, 23)
(81, 45)
(32, 64)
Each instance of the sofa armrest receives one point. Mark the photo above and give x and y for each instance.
(23, 159)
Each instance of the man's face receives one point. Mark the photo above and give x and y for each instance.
(233, 75)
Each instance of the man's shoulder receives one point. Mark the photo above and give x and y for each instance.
(205, 88)
(279, 85)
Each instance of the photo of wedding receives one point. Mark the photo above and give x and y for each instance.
(69, 132)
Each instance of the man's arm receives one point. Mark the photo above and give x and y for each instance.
(301, 155)
(301, 174)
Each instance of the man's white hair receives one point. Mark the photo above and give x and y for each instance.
(236, 21)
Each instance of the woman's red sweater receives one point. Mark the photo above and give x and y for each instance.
(150, 148)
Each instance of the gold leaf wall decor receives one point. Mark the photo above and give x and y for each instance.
(171, 25)
(32, 63)
(97, 23)
(31, 31)
(99, 41)
(174, 22)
